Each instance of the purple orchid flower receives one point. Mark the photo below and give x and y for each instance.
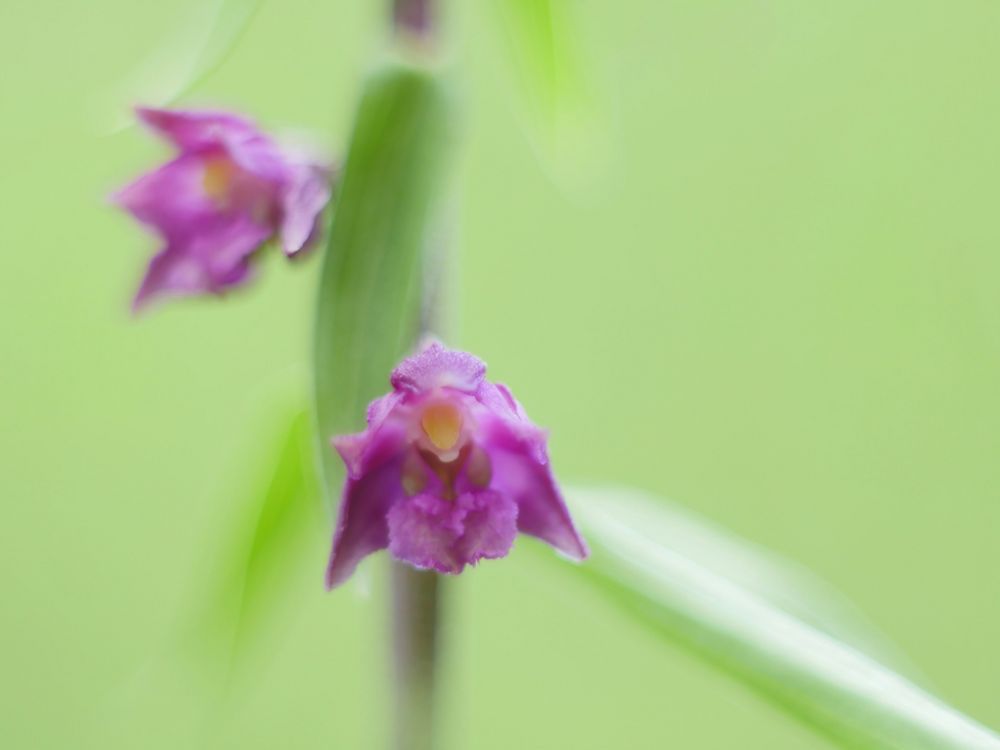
(448, 471)
(230, 189)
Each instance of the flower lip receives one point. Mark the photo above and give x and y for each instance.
(434, 534)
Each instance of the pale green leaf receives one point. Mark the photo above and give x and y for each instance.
(781, 582)
(703, 602)
(271, 551)
(369, 308)
(546, 47)
(183, 58)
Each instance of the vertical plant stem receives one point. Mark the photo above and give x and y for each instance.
(415, 612)
(414, 17)
(416, 595)
(373, 306)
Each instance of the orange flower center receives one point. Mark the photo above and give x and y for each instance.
(442, 423)
(217, 178)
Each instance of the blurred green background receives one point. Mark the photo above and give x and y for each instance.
(775, 298)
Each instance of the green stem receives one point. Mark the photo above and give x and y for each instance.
(415, 611)
(416, 595)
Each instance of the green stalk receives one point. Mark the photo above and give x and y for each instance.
(415, 610)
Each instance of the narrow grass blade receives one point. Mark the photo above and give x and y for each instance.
(263, 560)
(807, 672)
(545, 45)
(780, 582)
(271, 550)
(184, 58)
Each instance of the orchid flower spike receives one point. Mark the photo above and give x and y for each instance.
(230, 189)
(448, 471)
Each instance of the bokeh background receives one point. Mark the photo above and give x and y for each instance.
(773, 294)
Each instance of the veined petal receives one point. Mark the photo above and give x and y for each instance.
(362, 527)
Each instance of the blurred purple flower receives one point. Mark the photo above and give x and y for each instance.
(448, 471)
(228, 191)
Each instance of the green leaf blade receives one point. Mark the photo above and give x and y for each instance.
(369, 307)
(546, 47)
(813, 676)
(265, 556)
(183, 59)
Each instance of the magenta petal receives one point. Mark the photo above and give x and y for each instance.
(221, 132)
(302, 202)
(437, 367)
(490, 526)
(381, 409)
(446, 535)
(172, 273)
(192, 130)
(169, 198)
(226, 241)
(521, 470)
(383, 441)
(361, 525)
(542, 512)
(169, 272)
(212, 259)
(423, 531)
